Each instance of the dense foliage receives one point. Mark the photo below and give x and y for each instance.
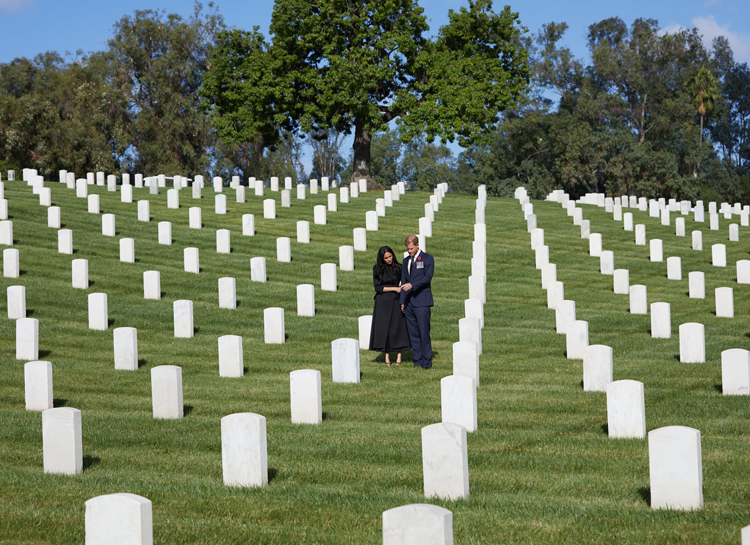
(647, 112)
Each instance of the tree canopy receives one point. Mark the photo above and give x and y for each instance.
(356, 66)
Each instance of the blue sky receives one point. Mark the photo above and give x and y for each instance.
(29, 27)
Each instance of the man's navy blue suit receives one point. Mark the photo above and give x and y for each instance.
(418, 305)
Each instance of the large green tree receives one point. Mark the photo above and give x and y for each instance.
(356, 66)
(159, 60)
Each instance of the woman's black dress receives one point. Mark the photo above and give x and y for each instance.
(388, 333)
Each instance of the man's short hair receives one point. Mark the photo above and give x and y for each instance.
(412, 239)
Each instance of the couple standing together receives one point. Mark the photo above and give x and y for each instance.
(403, 304)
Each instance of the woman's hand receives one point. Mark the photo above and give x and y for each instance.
(397, 289)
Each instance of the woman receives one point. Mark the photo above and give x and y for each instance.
(388, 333)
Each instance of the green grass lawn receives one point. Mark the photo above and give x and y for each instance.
(541, 467)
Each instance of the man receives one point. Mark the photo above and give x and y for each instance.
(416, 300)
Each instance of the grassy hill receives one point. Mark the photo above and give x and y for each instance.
(541, 466)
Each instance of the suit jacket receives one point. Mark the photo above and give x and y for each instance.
(420, 277)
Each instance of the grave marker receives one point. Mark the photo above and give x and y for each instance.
(692, 343)
(719, 255)
(269, 209)
(194, 217)
(231, 362)
(182, 311)
(191, 260)
(576, 339)
(258, 269)
(38, 385)
(127, 250)
(345, 360)
(53, 217)
(143, 211)
(621, 281)
(165, 233)
(227, 293)
(152, 285)
(126, 348)
(244, 456)
(697, 285)
(735, 372)
(675, 468)
(16, 296)
(674, 268)
(306, 399)
(445, 463)
(98, 316)
(346, 258)
(80, 274)
(656, 247)
(597, 368)
(62, 445)
(273, 326)
(565, 314)
(11, 263)
(248, 225)
(223, 242)
(638, 299)
(724, 298)
(305, 300)
(661, 321)
(626, 410)
(458, 401)
(284, 250)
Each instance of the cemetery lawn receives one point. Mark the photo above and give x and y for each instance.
(541, 466)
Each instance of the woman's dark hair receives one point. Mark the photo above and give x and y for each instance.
(381, 264)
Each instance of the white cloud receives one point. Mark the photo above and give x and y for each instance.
(710, 29)
(14, 5)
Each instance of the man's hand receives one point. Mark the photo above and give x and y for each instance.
(402, 308)
(406, 287)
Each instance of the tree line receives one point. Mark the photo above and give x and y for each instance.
(648, 112)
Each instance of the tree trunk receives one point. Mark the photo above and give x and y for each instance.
(361, 147)
(700, 149)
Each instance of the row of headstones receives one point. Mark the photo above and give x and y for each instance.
(692, 335)
(724, 296)
(675, 466)
(129, 517)
(655, 207)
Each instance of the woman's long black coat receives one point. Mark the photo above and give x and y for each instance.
(388, 333)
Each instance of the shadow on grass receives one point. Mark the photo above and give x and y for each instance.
(44, 353)
(22, 272)
(605, 429)
(142, 362)
(90, 461)
(186, 410)
(92, 283)
(645, 493)
(163, 293)
(59, 402)
(719, 388)
(325, 415)
(677, 357)
(110, 322)
(272, 472)
(245, 370)
(238, 304)
(30, 312)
